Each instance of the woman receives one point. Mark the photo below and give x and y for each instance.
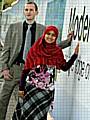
(38, 76)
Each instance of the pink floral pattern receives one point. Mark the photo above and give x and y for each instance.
(42, 77)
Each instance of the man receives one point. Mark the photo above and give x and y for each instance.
(13, 50)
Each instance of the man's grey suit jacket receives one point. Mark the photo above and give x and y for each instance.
(13, 43)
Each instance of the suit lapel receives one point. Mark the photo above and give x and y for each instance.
(37, 33)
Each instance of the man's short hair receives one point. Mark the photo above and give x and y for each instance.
(36, 7)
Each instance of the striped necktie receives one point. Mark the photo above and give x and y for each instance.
(27, 42)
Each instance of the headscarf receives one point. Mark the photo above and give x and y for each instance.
(43, 53)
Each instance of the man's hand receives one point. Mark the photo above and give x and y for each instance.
(6, 74)
(69, 36)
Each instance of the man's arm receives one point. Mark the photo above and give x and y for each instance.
(5, 54)
(66, 43)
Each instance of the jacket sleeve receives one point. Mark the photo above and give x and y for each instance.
(23, 79)
(5, 54)
(64, 44)
(70, 62)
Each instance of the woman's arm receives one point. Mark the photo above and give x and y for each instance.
(23, 79)
(68, 64)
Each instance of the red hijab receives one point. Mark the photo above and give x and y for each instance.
(45, 53)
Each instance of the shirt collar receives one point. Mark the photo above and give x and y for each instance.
(30, 23)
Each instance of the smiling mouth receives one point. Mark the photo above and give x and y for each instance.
(50, 39)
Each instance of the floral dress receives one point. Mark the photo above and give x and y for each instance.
(39, 94)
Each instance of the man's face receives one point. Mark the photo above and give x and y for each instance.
(30, 12)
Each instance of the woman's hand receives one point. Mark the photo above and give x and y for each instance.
(77, 49)
(21, 93)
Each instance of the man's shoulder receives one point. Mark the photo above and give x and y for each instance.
(40, 25)
(16, 24)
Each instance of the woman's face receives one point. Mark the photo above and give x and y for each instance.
(50, 37)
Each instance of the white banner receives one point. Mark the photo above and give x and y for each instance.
(74, 100)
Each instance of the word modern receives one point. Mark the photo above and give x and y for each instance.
(80, 25)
